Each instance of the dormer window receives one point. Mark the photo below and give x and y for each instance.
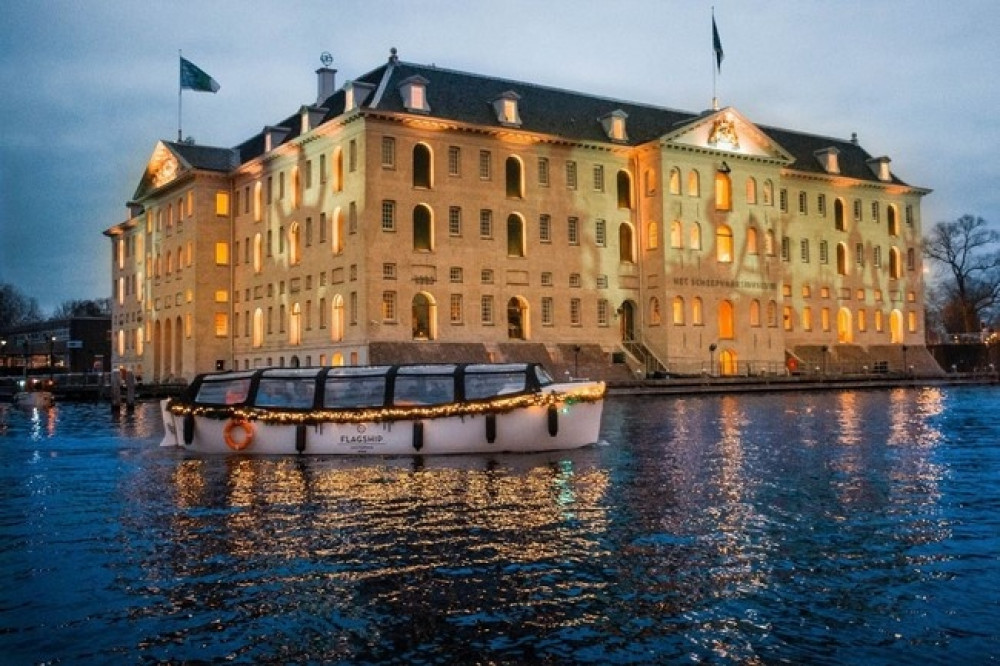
(414, 93)
(614, 125)
(355, 94)
(829, 159)
(880, 167)
(506, 108)
(273, 136)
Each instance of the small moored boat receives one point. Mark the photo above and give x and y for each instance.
(391, 409)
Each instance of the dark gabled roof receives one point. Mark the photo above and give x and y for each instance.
(209, 158)
(574, 116)
(467, 98)
(853, 159)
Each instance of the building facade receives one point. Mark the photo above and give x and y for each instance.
(419, 213)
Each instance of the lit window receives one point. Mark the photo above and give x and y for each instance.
(389, 306)
(694, 184)
(455, 309)
(678, 311)
(221, 324)
(222, 254)
(222, 203)
(723, 191)
(724, 244)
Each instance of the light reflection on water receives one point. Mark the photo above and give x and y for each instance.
(825, 528)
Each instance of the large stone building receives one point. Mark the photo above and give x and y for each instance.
(423, 213)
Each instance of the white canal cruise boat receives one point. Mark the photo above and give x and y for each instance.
(392, 409)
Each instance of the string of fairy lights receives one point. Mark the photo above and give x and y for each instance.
(590, 393)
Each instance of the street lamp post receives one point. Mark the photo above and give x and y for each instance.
(711, 359)
(52, 355)
(904, 359)
(3, 352)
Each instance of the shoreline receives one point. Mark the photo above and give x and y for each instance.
(721, 385)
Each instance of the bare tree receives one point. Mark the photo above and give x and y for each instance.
(83, 308)
(16, 308)
(968, 252)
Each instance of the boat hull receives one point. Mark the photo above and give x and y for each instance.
(562, 425)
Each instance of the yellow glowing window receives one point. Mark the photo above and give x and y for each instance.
(724, 244)
(723, 191)
(221, 296)
(221, 254)
(221, 324)
(222, 203)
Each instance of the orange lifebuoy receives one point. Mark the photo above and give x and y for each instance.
(793, 364)
(245, 440)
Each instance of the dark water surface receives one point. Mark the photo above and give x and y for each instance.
(837, 528)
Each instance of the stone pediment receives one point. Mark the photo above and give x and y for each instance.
(727, 131)
(163, 167)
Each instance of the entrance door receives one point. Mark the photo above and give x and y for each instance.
(627, 321)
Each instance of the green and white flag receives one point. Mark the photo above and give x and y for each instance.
(193, 78)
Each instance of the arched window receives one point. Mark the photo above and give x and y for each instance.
(258, 253)
(845, 328)
(769, 243)
(697, 314)
(337, 318)
(424, 315)
(337, 231)
(788, 317)
(728, 364)
(295, 325)
(752, 245)
(755, 313)
(337, 179)
(296, 188)
(676, 236)
(751, 191)
(421, 166)
(675, 181)
(652, 236)
(723, 191)
(515, 236)
(842, 262)
(724, 244)
(896, 327)
(694, 184)
(258, 327)
(895, 264)
(654, 311)
(893, 221)
(517, 318)
(727, 321)
(294, 244)
(624, 190)
(678, 310)
(423, 229)
(695, 236)
(772, 314)
(257, 201)
(626, 245)
(515, 178)
(768, 193)
(839, 218)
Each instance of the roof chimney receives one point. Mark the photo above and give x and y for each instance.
(326, 80)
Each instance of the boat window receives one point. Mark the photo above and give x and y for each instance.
(345, 393)
(227, 392)
(487, 385)
(285, 392)
(424, 390)
(544, 378)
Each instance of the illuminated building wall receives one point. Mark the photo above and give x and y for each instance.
(421, 206)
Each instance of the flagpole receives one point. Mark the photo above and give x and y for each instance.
(180, 88)
(715, 55)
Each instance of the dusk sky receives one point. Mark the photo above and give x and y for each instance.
(89, 88)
